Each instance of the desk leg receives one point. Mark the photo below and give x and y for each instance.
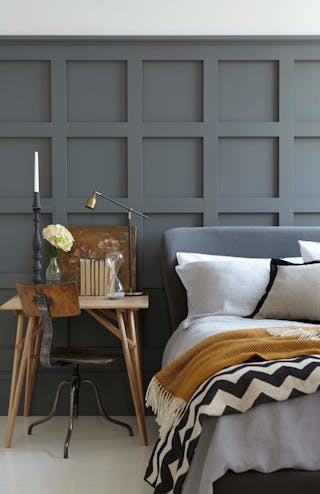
(28, 375)
(16, 359)
(135, 353)
(17, 392)
(33, 358)
(132, 380)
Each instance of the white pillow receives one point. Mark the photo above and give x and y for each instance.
(310, 251)
(293, 293)
(186, 257)
(224, 287)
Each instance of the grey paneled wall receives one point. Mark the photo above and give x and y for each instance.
(194, 131)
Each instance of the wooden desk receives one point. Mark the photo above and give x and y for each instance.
(117, 316)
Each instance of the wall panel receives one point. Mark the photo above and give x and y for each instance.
(16, 158)
(25, 91)
(97, 163)
(194, 131)
(172, 167)
(97, 91)
(172, 91)
(254, 172)
(248, 90)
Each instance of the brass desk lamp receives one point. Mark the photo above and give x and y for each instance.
(91, 204)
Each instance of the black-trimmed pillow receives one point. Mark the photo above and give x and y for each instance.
(293, 292)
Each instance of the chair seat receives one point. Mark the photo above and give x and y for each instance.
(73, 355)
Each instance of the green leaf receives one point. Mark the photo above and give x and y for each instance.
(53, 251)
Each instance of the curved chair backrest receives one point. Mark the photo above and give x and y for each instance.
(47, 302)
(62, 300)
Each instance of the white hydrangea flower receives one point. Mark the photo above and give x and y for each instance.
(58, 236)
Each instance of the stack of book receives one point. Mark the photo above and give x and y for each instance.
(95, 276)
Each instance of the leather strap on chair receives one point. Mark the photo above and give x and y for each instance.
(42, 303)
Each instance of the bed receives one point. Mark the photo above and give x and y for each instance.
(302, 474)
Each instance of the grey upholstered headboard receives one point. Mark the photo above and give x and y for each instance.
(231, 241)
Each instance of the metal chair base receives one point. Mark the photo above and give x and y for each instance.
(75, 383)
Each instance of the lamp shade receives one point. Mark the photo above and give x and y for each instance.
(91, 201)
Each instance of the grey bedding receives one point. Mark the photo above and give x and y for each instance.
(269, 437)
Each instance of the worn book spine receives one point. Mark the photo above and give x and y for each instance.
(82, 277)
(96, 277)
(92, 276)
(102, 279)
(88, 277)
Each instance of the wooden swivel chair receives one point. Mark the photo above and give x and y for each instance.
(49, 302)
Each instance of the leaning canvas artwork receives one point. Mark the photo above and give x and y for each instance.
(99, 242)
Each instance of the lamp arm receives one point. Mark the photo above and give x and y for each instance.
(120, 204)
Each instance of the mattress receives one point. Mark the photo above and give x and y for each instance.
(267, 438)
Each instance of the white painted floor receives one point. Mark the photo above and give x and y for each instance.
(103, 459)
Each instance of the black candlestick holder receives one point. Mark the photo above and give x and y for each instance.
(37, 240)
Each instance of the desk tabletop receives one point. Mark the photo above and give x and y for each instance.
(92, 302)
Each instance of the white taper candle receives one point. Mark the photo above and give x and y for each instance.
(36, 172)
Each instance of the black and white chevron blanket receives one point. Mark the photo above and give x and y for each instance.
(235, 389)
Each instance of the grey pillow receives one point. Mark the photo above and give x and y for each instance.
(293, 292)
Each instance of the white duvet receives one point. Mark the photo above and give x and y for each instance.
(184, 338)
(267, 438)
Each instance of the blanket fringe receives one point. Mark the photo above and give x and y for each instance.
(303, 334)
(167, 408)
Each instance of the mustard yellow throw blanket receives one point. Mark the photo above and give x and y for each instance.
(172, 387)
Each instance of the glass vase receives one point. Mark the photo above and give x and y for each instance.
(114, 288)
(53, 273)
